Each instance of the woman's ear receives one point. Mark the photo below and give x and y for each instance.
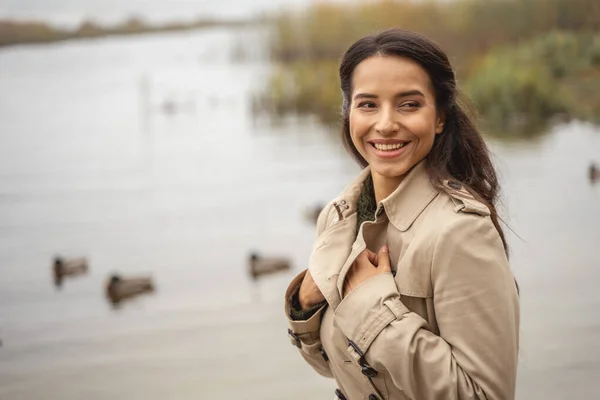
(441, 120)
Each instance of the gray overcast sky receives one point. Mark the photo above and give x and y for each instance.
(70, 12)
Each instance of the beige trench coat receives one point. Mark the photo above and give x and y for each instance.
(446, 326)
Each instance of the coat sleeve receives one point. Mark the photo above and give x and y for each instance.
(476, 307)
(308, 332)
(305, 334)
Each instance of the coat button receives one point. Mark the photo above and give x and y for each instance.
(369, 371)
(373, 397)
(454, 185)
(323, 354)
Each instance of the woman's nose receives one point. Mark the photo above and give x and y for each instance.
(386, 122)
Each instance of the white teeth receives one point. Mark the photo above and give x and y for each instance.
(389, 147)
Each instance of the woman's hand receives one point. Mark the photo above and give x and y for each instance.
(309, 294)
(367, 265)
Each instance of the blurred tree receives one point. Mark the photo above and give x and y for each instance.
(88, 29)
(530, 61)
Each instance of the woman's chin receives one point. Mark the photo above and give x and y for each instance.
(389, 171)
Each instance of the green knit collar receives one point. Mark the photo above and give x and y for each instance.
(366, 204)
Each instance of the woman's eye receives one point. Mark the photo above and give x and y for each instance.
(366, 104)
(411, 105)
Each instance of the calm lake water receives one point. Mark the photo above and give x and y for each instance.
(90, 164)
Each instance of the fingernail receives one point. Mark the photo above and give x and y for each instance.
(385, 248)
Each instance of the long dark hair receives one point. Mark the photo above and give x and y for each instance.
(459, 152)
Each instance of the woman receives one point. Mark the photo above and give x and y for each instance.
(409, 294)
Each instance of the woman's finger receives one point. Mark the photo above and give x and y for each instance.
(365, 259)
(383, 256)
(372, 257)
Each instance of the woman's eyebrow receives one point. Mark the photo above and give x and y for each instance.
(401, 94)
(410, 93)
(365, 96)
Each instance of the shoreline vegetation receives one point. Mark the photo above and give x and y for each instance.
(523, 63)
(13, 32)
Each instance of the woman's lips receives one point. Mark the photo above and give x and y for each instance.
(388, 148)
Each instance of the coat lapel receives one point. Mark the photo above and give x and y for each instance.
(338, 246)
(334, 245)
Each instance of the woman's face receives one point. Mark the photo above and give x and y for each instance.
(393, 118)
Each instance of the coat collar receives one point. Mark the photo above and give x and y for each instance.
(404, 205)
(402, 208)
(410, 198)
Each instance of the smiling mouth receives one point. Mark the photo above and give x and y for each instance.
(388, 147)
